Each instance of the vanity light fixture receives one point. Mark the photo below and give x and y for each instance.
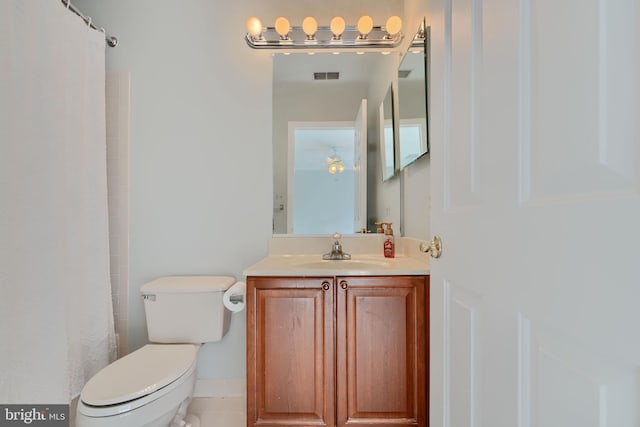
(254, 28)
(393, 26)
(310, 26)
(417, 44)
(365, 25)
(282, 28)
(364, 36)
(337, 27)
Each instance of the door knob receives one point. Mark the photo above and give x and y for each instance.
(434, 247)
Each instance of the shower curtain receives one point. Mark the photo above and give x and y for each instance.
(56, 319)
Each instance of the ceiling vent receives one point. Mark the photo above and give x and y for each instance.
(331, 75)
(403, 74)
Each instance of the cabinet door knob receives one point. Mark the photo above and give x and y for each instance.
(344, 284)
(326, 286)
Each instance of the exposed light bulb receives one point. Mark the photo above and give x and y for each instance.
(365, 25)
(282, 27)
(341, 167)
(333, 168)
(310, 26)
(394, 25)
(254, 26)
(337, 27)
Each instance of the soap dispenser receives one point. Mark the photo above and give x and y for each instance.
(389, 244)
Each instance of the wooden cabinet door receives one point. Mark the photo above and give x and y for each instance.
(290, 352)
(381, 351)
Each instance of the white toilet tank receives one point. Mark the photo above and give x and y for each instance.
(186, 309)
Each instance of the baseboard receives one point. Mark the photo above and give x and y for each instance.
(228, 387)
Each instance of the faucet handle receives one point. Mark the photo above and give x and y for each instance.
(337, 236)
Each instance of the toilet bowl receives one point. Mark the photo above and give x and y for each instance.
(153, 386)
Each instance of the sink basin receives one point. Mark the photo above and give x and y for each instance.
(343, 265)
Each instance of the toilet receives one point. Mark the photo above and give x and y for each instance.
(153, 386)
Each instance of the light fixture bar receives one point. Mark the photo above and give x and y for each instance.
(378, 37)
(419, 38)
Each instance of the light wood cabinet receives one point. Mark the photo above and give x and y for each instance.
(332, 351)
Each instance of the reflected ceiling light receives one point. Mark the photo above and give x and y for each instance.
(336, 165)
(310, 26)
(337, 27)
(283, 27)
(364, 36)
(365, 25)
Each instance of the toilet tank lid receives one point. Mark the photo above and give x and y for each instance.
(188, 284)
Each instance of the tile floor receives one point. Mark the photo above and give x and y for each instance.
(208, 411)
(217, 412)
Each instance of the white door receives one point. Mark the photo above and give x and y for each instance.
(535, 302)
(314, 187)
(360, 168)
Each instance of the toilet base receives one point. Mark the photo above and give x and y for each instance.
(192, 421)
(178, 419)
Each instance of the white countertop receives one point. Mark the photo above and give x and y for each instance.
(302, 256)
(359, 265)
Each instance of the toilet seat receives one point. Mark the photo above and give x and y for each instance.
(138, 378)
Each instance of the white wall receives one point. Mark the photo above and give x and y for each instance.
(201, 156)
(416, 177)
(201, 177)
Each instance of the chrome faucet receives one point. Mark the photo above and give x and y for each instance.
(336, 249)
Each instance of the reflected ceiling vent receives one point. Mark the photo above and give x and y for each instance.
(331, 75)
(403, 74)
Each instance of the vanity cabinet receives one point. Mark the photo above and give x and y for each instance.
(332, 351)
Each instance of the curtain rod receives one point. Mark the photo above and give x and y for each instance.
(112, 41)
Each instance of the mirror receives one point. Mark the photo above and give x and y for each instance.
(320, 89)
(412, 100)
(387, 136)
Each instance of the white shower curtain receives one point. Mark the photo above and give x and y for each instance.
(56, 319)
